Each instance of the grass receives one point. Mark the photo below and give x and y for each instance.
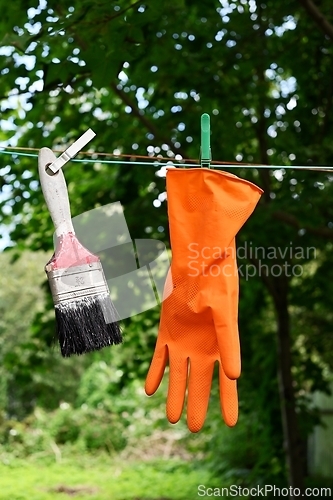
(87, 478)
(99, 477)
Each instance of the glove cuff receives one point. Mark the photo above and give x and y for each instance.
(206, 209)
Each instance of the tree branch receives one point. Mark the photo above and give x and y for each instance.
(325, 26)
(262, 121)
(264, 173)
(265, 278)
(144, 120)
(120, 13)
(324, 128)
(324, 232)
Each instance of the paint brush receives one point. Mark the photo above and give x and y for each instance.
(86, 319)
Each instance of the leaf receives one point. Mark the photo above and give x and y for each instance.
(59, 73)
(20, 42)
(104, 68)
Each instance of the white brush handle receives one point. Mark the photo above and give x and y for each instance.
(55, 193)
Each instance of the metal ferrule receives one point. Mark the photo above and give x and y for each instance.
(75, 283)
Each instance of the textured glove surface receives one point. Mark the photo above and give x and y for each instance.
(199, 320)
(191, 353)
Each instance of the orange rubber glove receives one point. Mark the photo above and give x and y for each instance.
(199, 319)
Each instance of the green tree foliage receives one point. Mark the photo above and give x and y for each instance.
(29, 373)
(141, 74)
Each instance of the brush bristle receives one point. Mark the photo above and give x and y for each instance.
(87, 324)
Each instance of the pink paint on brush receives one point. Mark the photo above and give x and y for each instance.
(70, 252)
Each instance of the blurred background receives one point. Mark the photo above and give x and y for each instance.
(140, 74)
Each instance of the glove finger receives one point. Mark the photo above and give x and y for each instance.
(228, 398)
(200, 382)
(156, 369)
(178, 368)
(230, 352)
(226, 321)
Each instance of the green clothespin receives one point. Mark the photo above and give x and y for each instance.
(205, 151)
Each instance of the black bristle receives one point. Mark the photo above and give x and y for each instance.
(86, 325)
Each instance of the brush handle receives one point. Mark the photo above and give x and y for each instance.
(55, 193)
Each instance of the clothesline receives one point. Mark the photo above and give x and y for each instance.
(163, 162)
